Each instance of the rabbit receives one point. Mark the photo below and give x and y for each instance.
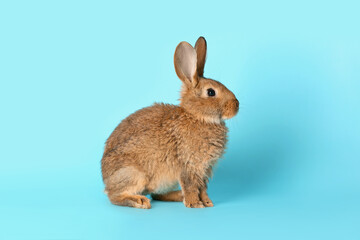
(160, 147)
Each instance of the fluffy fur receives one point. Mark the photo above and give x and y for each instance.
(158, 147)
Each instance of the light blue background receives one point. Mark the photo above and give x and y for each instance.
(71, 70)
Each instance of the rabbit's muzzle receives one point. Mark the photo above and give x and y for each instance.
(230, 109)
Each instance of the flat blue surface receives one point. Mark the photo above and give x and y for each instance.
(71, 70)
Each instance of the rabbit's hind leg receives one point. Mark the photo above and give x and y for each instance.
(174, 196)
(136, 201)
(125, 187)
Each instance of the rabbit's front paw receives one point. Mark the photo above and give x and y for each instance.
(205, 198)
(196, 204)
(207, 203)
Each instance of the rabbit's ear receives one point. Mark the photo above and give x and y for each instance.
(185, 63)
(200, 47)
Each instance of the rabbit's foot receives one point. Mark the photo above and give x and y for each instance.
(174, 196)
(193, 203)
(207, 203)
(198, 204)
(205, 199)
(137, 201)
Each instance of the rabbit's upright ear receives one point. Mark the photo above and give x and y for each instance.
(200, 47)
(185, 63)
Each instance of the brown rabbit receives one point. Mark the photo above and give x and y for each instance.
(158, 147)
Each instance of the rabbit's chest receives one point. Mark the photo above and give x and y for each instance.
(206, 144)
(212, 148)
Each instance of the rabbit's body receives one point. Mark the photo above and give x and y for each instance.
(159, 150)
(158, 147)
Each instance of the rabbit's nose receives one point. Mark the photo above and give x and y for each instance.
(234, 103)
(237, 103)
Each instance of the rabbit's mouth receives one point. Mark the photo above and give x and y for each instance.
(230, 109)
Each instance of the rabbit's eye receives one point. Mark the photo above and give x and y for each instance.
(211, 92)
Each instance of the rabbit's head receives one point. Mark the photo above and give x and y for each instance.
(206, 99)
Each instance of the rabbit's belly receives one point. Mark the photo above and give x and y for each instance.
(163, 183)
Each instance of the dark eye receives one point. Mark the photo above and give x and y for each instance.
(211, 92)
